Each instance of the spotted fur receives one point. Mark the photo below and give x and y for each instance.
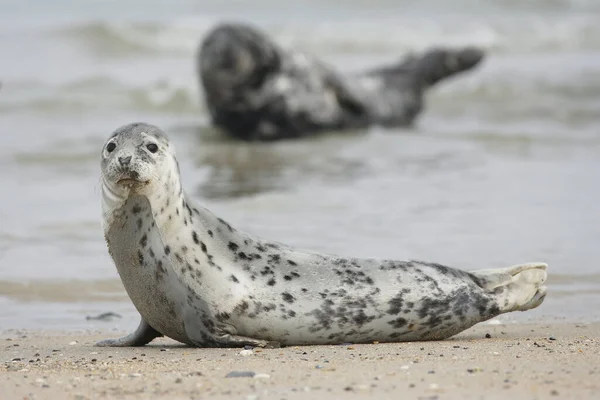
(197, 279)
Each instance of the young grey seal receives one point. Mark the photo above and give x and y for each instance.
(196, 279)
(256, 90)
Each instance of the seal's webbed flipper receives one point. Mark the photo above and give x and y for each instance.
(517, 288)
(427, 69)
(441, 63)
(143, 335)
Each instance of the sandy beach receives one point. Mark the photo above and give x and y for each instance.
(516, 361)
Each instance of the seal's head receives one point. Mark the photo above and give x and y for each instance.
(233, 59)
(135, 159)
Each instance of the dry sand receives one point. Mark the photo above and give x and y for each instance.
(518, 361)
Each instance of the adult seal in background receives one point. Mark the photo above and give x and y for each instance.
(255, 90)
(196, 279)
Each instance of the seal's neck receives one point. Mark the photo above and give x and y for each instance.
(113, 199)
(164, 194)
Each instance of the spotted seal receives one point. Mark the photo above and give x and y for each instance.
(256, 90)
(195, 278)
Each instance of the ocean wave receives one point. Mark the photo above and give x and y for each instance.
(502, 34)
(101, 92)
(59, 290)
(502, 90)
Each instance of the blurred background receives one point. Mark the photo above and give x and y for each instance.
(502, 167)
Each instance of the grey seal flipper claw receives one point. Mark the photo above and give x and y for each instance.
(143, 335)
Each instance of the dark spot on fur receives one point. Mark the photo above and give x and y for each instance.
(195, 237)
(210, 233)
(232, 246)
(203, 247)
(136, 209)
(261, 248)
(140, 258)
(184, 249)
(288, 298)
(139, 223)
(160, 267)
(167, 250)
(291, 262)
(396, 302)
(398, 323)
(234, 279)
(178, 257)
(226, 224)
(222, 316)
(360, 318)
(271, 282)
(241, 307)
(274, 258)
(144, 240)
(304, 290)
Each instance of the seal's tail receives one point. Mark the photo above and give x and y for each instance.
(517, 288)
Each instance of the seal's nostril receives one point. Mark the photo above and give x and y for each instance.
(124, 160)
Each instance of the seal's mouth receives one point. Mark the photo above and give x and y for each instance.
(131, 183)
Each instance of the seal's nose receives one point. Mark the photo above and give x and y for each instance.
(124, 160)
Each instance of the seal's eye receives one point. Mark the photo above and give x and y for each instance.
(110, 147)
(152, 148)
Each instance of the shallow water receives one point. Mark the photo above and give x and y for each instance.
(502, 168)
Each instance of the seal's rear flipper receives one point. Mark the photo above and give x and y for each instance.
(425, 70)
(143, 335)
(441, 63)
(517, 288)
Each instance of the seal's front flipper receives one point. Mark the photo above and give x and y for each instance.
(144, 334)
(240, 341)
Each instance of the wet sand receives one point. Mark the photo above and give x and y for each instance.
(517, 361)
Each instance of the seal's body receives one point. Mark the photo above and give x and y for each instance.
(255, 90)
(196, 279)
